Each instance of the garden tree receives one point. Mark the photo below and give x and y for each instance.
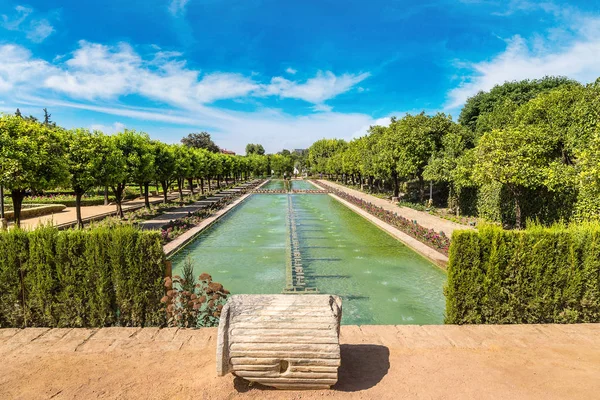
(518, 92)
(164, 161)
(255, 149)
(91, 160)
(351, 159)
(447, 164)
(138, 164)
(258, 165)
(517, 158)
(31, 157)
(200, 140)
(201, 168)
(226, 168)
(369, 154)
(320, 151)
(213, 168)
(47, 120)
(588, 168)
(281, 164)
(183, 166)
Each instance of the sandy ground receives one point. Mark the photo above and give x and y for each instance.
(378, 362)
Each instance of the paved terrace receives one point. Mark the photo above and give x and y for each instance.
(378, 362)
(424, 219)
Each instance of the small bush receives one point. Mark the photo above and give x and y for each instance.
(199, 307)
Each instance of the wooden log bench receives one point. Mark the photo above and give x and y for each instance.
(283, 341)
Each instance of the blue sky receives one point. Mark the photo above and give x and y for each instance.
(280, 73)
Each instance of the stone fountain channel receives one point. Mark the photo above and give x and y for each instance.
(311, 243)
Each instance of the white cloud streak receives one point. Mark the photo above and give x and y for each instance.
(575, 57)
(37, 30)
(100, 72)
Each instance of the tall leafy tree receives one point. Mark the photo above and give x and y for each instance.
(517, 158)
(164, 161)
(138, 162)
(201, 140)
(91, 160)
(31, 157)
(254, 149)
(518, 92)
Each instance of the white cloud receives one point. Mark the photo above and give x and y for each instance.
(37, 30)
(97, 78)
(322, 107)
(18, 68)
(324, 86)
(291, 70)
(101, 72)
(522, 59)
(108, 129)
(177, 7)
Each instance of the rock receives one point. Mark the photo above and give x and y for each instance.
(282, 341)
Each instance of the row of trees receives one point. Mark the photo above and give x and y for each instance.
(528, 149)
(39, 156)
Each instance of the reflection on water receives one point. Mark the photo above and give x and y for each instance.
(380, 280)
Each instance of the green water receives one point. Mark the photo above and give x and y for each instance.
(302, 185)
(277, 184)
(274, 184)
(380, 280)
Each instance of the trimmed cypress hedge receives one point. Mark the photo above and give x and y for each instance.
(81, 278)
(539, 275)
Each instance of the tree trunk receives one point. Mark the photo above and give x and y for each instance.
(202, 185)
(395, 182)
(141, 190)
(191, 182)
(118, 191)
(146, 197)
(517, 212)
(209, 187)
(180, 188)
(78, 194)
(165, 188)
(105, 195)
(17, 199)
(421, 189)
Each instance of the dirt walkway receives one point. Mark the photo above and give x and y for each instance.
(378, 362)
(69, 214)
(424, 219)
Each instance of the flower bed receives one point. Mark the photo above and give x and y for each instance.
(438, 241)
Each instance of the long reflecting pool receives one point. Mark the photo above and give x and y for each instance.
(380, 280)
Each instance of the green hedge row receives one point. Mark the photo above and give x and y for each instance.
(539, 275)
(81, 278)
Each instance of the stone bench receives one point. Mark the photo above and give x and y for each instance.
(283, 341)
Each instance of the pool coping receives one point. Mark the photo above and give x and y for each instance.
(439, 259)
(181, 241)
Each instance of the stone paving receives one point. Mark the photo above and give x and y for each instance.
(384, 362)
(424, 219)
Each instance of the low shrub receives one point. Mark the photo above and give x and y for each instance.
(538, 275)
(81, 278)
(194, 304)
